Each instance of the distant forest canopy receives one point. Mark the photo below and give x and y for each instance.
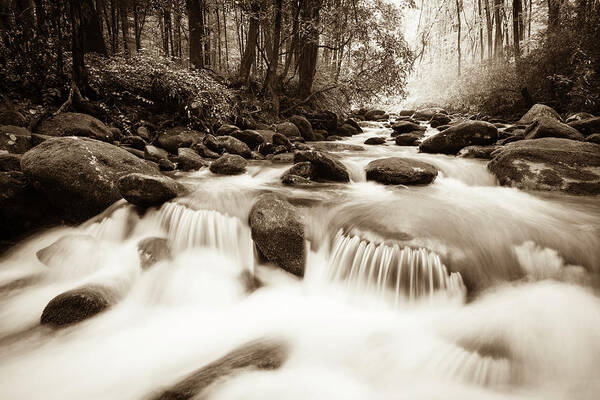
(500, 56)
(289, 53)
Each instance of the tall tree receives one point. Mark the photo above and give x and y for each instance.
(124, 13)
(196, 32)
(517, 25)
(249, 55)
(79, 72)
(271, 78)
(458, 51)
(498, 41)
(93, 37)
(309, 46)
(488, 24)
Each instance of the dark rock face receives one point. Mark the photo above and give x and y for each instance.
(375, 140)
(537, 111)
(258, 355)
(400, 171)
(144, 133)
(252, 138)
(456, 137)
(346, 130)
(76, 305)
(148, 190)
(303, 170)
(226, 129)
(326, 167)
(155, 154)
(177, 137)
(278, 232)
(595, 138)
(153, 250)
(229, 164)
(287, 129)
(353, 124)
(295, 180)
(408, 139)
(283, 158)
(10, 162)
(304, 127)
(549, 164)
(549, 127)
(406, 127)
(204, 151)
(280, 140)
(75, 124)
(189, 160)
(135, 142)
(324, 120)
(266, 148)
(427, 113)
(15, 139)
(587, 126)
(231, 145)
(375, 115)
(483, 152)
(12, 117)
(79, 175)
(439, 119)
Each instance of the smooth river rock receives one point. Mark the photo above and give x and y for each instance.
(326, 167)
(468, 133)
(148, 190)
(400, 171)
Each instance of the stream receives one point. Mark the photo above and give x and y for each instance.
(458, 289)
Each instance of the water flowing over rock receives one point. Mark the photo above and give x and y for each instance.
(408, 273)
(550, 164)
(80, 175)
(483, 152)
(153, 250)
(400, 171)
(278, 232)
(468, 133)
(75, 124)
(537, 111)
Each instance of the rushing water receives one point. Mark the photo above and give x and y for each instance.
(459, 289)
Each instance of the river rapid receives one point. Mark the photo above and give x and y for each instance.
(459, 289)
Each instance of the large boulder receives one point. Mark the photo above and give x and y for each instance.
(587, 126)
(406, 127)
(229, 164)
(537, 111)
(326, 167)
(323, 120)
(15, 139)
(375, 140)
(408, 139)
(549, 164)
(155, 154)
(226, 129)
(346, 130)
(426, 114)
(280, 140)
(336, 147)
(439, 119)
(252, 138)
(76, 305)
(468, 133)
(75, 124)
(303, 170)
(148, 190)
(304, 126)
(278, 232)
(189, 160)
(79, 175)
(177, 137)
(549, 127)
(375, 115)
(231, 145)
(400, 171)
(135, 142)
(287, 129)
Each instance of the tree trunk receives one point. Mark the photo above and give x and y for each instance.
(498, 48)
(123, 12)
(517, 28)
(488, 24)
(251, 42)
(24, 19)
(225, 37)
(309, 42)
(77, 45)
(93, 38)
(553, 15)
(271, 79)
(458, 52)
(480, 30)
(136, 26)
(196, 28)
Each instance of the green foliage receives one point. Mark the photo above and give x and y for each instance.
(158, 82)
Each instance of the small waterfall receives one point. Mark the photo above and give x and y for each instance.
(410, 273)
(187, 228)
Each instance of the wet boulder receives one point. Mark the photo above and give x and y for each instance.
(406, 127)
(144, 133)
(177, 137)
(189, 160)
(12, 117)
(456, 137)
(265, 149)
(278, 233)
(283, 158)
(295, 180)
(204, 151)
(134, 142)
(375, 140)
(75, 124)
(264, 354)
(15, 139)
(426, 114)
(587, 126)
(323, 120)
(80, 175)
(401, 171)
(336, 147)
(231, 145)
(595, 138)
(148, 190)
(153, 250)
(408, 139)
(280, 140)
(226, 129)
(303, 170)
(229, 164)
(375, 115)
(304, 127)
(346, 130)
(287, 129)
(77, 305)
(482, 152)
(537, 111)
(549, 127)
(549, 164)
(155, 154)
(353, 124)
(326, 167)
(439, 119)
(252, 138)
